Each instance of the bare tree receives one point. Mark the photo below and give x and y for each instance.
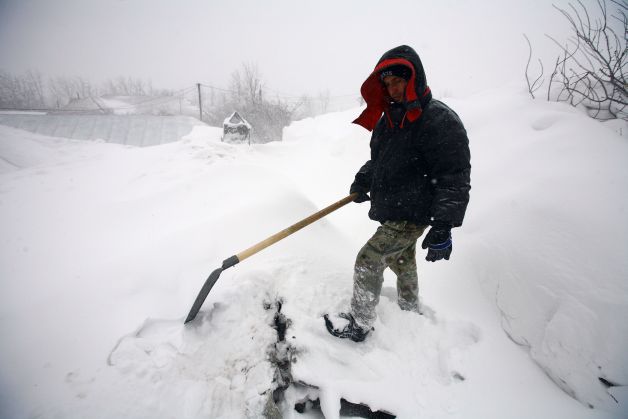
(590, 70)
(246, 84)
(303, 107)
(247, 96)
(26, 91)
(34, 85)
(324, 99)
(65, 89)
(127, 86)
(596, 76)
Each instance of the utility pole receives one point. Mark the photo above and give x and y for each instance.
(200, 103)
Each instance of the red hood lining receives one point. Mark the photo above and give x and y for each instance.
(376, 96)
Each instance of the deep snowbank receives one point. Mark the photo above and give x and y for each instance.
(546, 230)
(104, 248)
(100, 239)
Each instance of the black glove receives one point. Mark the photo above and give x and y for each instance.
(438, 239)
(362, 196)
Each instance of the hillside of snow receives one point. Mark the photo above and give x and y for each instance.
(104, 248)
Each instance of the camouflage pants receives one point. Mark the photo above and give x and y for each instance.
(392, 246)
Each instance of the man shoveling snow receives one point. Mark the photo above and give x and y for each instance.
(418, 176)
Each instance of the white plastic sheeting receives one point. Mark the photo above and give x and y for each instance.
(134, 130)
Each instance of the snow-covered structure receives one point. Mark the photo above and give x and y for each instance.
(158, 105)
(86, 106)
(236, 129)
(133, 130)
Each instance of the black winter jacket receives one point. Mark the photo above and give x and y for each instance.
(419, 170)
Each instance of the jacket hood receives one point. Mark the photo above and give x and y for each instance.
(376, 97)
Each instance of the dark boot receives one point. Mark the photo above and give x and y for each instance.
(346, 327)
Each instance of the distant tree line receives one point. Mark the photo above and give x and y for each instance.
(23, 91)
(31, 90)
(268, 112)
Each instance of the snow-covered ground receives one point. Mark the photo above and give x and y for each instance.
(104, 248)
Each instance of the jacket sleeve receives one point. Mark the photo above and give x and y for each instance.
(362, 182)
(364, 177)
(448, 162)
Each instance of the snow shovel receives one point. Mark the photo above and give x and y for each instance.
(235, 259)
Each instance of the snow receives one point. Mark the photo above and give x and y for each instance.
(561, 211)
(235, 120)
(105, 246)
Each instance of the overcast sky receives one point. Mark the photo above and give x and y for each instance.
(299, 46)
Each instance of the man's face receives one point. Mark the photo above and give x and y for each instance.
(396, 87)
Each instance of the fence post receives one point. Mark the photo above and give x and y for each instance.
(200, 102)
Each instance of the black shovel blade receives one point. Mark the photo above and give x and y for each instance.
(202, 295)
(207, 286)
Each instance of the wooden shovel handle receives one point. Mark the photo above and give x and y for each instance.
(294, 228)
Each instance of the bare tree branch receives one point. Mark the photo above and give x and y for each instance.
(536, 84)
(591, 66)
